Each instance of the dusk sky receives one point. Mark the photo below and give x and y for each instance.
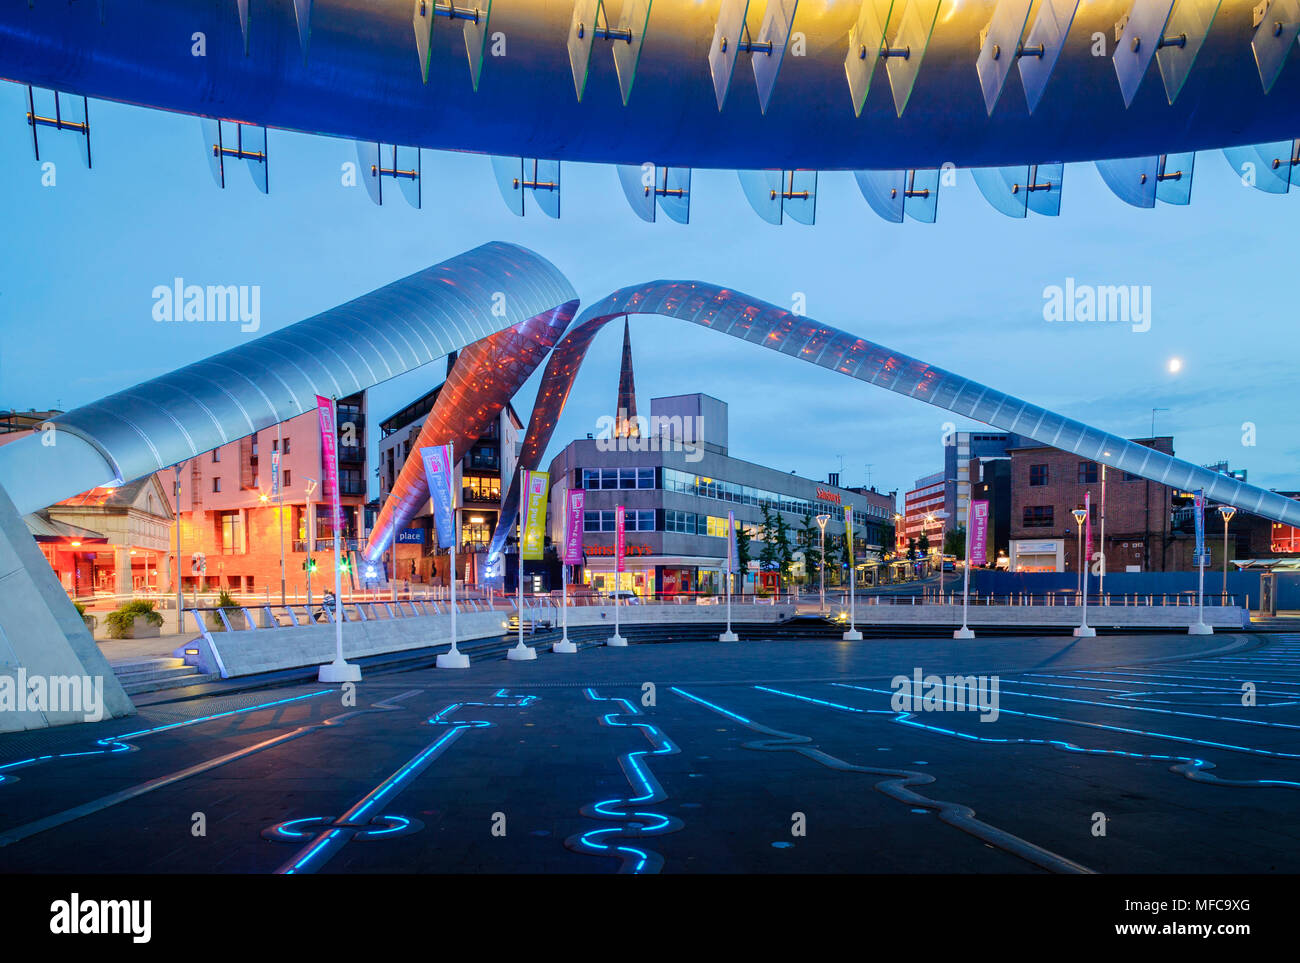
(82, 258)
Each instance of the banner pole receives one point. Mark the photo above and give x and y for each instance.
(521, 652)
(852, 635)
(327, 415)
(568, 517)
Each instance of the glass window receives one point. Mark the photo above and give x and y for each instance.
(232, 533)
(1087, 473)
(1039, 516)
(1037, 475)
(216, 484)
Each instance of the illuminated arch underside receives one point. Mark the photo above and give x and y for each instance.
(749, 319)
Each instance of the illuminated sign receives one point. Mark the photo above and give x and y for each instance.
(826, 495)
(628, 549)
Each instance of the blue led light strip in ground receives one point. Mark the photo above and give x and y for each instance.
(636, 822)
(897, 785)
(1147, 697)
(18, 833)
(122, 742)
(1195, 772)
(358, 822)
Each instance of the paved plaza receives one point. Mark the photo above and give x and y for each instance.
(1112, 754)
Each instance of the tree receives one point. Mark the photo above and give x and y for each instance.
(923, 544)
(954, 542)
(742, 553)
(812, 556)
(784, 550)
(767, 555)
(911, 548)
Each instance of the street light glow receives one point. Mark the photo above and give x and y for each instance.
(1175, 365)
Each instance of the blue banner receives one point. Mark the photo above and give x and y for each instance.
(437, 470)
(1198, 555)
(410, 536)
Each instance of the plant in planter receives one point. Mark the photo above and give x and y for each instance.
(134, 620)
(233, 610)
(90, 621)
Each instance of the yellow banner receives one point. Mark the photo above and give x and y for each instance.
(536, 485)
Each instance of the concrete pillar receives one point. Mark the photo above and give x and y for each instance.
(121, 570)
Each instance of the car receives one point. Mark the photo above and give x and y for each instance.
(623, 596)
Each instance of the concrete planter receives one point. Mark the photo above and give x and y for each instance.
(91, 623)
(142, 629)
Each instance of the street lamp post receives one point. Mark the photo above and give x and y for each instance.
(311, 540)
(821, 559)
(1227, 511)
(1083, 630)
(180, 591)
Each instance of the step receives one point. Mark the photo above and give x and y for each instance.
(157, 674)
(191, 677)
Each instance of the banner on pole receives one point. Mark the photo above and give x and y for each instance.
(536, 484)
(573, 526)
(438, 473)
(979, 531)
(620, 543)
(275, 474)
(848, 533)
(733, 548)
(329, 461)
(1087, 531)
(1199, 555)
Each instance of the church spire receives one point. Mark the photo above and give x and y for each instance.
(625, 423)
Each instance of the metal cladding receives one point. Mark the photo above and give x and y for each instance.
(346, 349)
(362, 78)
(749, 319)
(484, 378)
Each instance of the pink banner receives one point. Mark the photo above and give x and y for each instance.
(620, 544)
(329, 438)
(979, 532)
(573, 527)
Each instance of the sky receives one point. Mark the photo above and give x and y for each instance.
(79, 261)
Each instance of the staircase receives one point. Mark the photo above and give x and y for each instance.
(153, 675)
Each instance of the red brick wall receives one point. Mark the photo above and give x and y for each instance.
(1131, 531)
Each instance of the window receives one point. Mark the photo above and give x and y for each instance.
(216, 455)
(1039, 516)
(288, 479)
(481, 488)
(232, 533)
(286, 446)
(1037, 475)
(717, 526)
(1087, 473)
(610, 479)
(639, 521)
(1129, 476)
(680, 522)
(216, 484)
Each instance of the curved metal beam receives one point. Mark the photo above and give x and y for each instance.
(346, 349)
(750, 319)
(484, 378)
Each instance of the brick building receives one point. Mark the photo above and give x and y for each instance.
(1047, 485)
(230, 516)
